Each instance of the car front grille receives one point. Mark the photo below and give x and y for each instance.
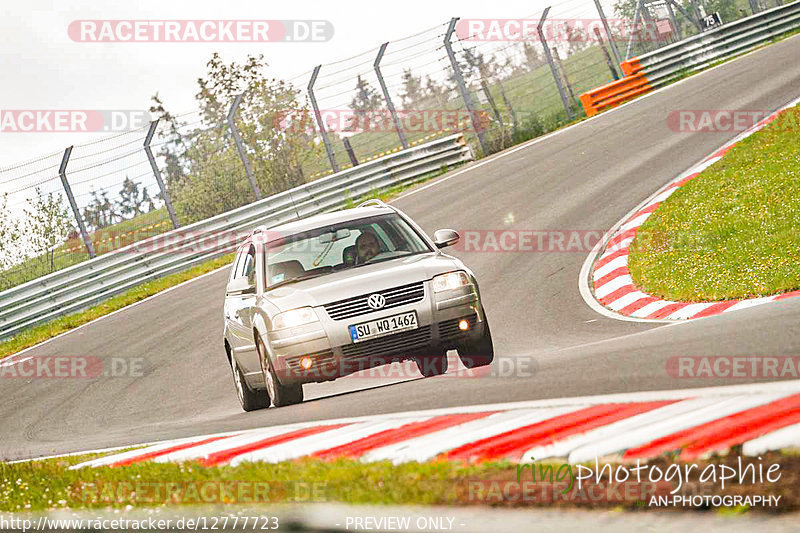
(405, 294)
(448, 330)
(398, 343)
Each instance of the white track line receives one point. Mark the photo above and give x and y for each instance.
(788, 437)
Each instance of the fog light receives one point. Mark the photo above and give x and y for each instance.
(463, 325)
(306, 362)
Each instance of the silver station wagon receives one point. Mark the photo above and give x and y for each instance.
(334, 294)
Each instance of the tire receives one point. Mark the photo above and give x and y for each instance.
(431, 365)
(250, 399)
(282, 395)
(480, 352)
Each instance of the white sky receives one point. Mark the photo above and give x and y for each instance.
(44, 69)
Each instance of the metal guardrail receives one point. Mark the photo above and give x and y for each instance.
(702, 50)
(655, 69)
(92, 281)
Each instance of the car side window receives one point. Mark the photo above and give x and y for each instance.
(249, 266)
(237, 261)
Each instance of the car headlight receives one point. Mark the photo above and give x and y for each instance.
(449, 281)
(294, 318)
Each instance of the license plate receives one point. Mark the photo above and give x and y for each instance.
(383, 326)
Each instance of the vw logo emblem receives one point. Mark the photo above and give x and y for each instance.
(376, 301)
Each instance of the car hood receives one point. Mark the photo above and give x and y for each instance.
(361, 280)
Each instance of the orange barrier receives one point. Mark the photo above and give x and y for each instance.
(631, 66)
(615, 93)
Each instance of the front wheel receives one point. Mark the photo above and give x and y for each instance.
(250, 399)
(479, 352)
(281, 395)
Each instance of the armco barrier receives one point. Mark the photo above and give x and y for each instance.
(90, 282)
(614, 93)
(657, 68)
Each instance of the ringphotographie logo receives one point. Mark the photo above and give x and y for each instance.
(199, 31)
(72, 120)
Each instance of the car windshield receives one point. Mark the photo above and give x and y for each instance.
(340, 246)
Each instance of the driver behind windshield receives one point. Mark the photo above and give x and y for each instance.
(367, 247)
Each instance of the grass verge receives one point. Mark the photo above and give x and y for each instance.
(49, 484)
(732, 232)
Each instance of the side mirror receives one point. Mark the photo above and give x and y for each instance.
(443, 238)
(238, 285)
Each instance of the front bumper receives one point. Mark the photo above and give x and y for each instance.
(333, 353)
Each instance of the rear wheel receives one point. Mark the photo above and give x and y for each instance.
(281, 395)
(479, 352)
(250, 399)
(433, 364)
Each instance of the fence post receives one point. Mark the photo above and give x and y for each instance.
(320, 123)
(563, 72)
(62, 172)
(609, 61)
(397, 124)
(485, 89)
(157, 173)
(611, 43)
(508, 105)
(350, 153)
(636, 17)
(698, 17)
(690, 18)
(674, 21)
(462, 87)
(549, 56)
(240, 146)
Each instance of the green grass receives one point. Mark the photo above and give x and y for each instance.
(73, 251)
(732, 232)
(42, 332)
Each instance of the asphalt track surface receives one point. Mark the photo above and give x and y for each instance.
(584, 178)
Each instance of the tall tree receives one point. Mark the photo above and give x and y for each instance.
(413, 90)
(10, 237)
(209, 176)
(364, 104)
(47, 224)
(131, 199)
